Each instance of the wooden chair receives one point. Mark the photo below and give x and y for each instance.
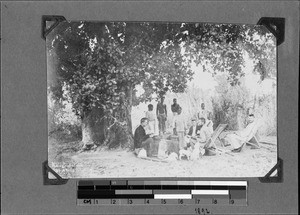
(211, 141)
(250, 139)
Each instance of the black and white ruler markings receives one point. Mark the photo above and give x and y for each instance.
(137, 192)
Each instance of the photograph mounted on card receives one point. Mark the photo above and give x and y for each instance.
(161, 99)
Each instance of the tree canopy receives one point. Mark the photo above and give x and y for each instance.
(99, 64)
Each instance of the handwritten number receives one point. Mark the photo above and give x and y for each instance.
(202, 211)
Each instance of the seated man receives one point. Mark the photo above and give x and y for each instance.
(193, 131)
(237, 138)
(209, 123)
(141, 139)
(204, 133)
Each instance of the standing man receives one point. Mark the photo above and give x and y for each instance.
(161, 113)
(141, 139)
(180, 127)
(174, 108)
(202, 113)
(150, 114)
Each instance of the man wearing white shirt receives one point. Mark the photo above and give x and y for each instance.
(202, 113)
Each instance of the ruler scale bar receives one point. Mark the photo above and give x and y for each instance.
(186, 187)
(102, 187)
(210, 192)
(202, 187)
(171, 191)
(137, 192)
(172, 196)
(122, 196)
(133, 192)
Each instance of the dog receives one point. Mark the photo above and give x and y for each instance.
(185, 153)
(172, 157)
(141, 153)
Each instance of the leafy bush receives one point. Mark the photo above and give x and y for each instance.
(62, 123)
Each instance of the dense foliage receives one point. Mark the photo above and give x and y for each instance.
(98, 65)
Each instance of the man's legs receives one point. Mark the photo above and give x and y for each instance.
(164, 124)
(160, 123)
(233, 141)
(181, 139)
(146, 144)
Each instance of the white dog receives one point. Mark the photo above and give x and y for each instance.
(142, 153)
(172, 157)
(185, 152)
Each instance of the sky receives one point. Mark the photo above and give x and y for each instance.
(205, 81)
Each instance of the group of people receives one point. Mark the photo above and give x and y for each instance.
(200, 130)
(199, 133)
(161, 115)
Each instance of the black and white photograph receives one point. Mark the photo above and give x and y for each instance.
(161, 99)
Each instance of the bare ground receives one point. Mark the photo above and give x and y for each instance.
(68, 162)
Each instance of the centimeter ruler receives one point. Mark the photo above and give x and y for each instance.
(137, 192)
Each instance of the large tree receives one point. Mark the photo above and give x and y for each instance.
(98, 65)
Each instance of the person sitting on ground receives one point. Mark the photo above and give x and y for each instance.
(237, 138)
(141, 139)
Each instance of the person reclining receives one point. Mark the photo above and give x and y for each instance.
(141, 139)
(237, 138)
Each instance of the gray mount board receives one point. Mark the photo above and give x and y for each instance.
(24, 103)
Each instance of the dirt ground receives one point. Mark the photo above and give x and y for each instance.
(122, 163)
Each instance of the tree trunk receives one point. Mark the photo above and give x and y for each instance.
(113, 131)
(240, 118)
(128, 117)
(120, 129)
(93, 127)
